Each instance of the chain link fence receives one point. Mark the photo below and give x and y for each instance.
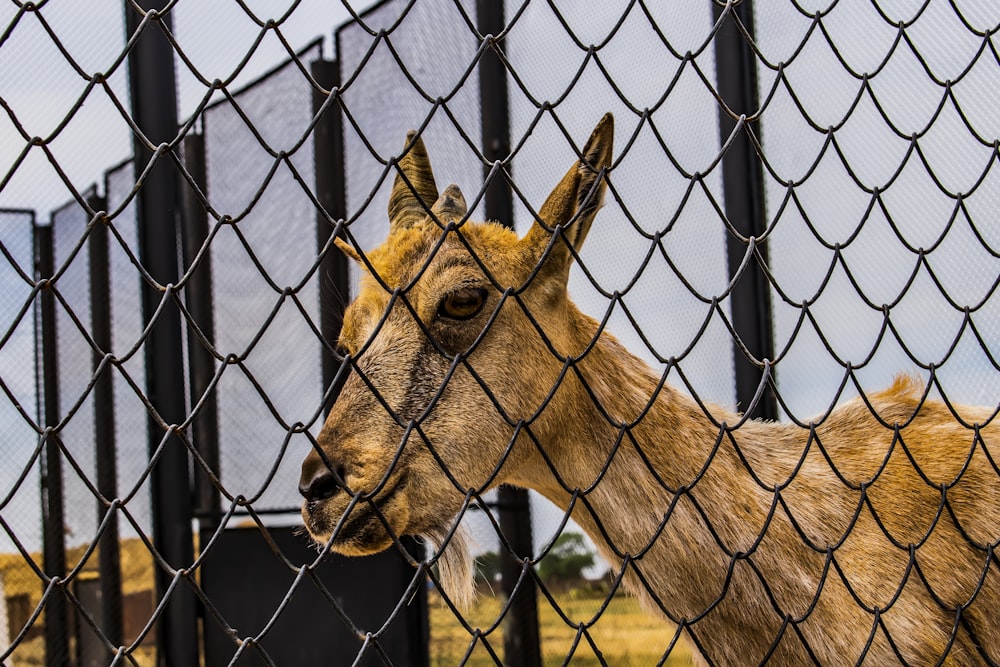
(803, 203)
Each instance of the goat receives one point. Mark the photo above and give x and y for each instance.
(868, 536)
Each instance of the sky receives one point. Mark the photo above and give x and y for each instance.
(670, 298)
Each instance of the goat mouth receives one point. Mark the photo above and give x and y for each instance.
(363, 530)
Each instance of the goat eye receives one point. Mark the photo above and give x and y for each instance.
(463, 304)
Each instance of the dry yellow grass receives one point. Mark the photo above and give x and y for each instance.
(623, 633)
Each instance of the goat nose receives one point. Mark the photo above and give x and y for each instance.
(320, 487)
(318, 480)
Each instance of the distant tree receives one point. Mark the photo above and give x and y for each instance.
(565, 562)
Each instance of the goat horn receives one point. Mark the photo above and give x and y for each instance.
(410, 201)
(450, 206)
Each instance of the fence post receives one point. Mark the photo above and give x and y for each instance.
(198, 298)
(109, 560)
(154, 110)
(522, 645)
(743, 185)
(328, 152)
(53, 515)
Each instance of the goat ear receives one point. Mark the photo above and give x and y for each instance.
(573, 203)
(413, 191)
(347, 249)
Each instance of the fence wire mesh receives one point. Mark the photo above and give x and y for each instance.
(802, 194)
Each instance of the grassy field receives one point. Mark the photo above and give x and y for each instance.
(624, 634)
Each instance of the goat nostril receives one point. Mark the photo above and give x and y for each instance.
(321, 486)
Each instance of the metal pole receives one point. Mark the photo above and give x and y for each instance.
(199, 300)
(53, 515)
(495, 112)
(109, 561)
(328, 150)
(154, 109)
(522, 644)
(743, 185)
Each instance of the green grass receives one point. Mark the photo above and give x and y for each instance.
(623, 633)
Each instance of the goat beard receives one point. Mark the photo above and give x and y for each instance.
(455, 564)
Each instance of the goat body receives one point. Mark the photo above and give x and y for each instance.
(868, 536)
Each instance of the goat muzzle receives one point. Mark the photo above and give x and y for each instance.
(320, 479)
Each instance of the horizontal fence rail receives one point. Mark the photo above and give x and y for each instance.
(766, 432)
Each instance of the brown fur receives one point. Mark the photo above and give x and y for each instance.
(869, 537)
